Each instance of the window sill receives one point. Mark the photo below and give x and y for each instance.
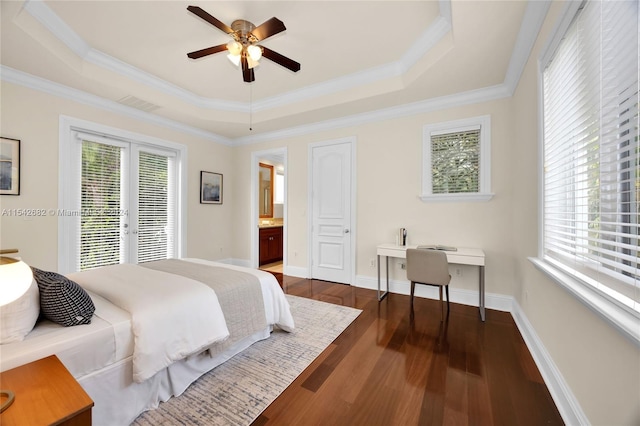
(625, 320)
(456, 198)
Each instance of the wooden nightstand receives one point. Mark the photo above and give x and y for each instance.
(46, 394)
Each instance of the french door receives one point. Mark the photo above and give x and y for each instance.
(127, 207)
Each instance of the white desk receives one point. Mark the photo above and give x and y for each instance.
(463, 256)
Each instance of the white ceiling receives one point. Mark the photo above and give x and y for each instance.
(358, 58)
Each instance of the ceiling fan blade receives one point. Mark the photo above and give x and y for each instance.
(280, 59)
(210, 19)
(271, 27)
(208, 51)
(247, 73)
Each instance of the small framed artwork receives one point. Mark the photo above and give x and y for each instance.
(9, 166)
(210, 188)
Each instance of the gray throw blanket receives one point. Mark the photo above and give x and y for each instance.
(239, 294)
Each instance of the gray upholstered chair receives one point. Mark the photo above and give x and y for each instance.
(428, 267)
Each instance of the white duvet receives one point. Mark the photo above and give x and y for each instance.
(172, 316)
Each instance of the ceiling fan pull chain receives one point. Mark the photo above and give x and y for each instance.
(250, 107)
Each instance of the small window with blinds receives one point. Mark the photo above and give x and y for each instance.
(456, 161)
(591, 198)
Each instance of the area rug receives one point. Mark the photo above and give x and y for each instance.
(236, 392)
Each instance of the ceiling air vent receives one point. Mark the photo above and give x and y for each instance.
(138, 103)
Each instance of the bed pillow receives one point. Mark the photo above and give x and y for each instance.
(62, 300)
(18, 317)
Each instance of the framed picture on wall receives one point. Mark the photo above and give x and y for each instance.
(9, 166)
(210, 188)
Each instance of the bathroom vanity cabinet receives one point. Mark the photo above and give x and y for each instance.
(270, 244)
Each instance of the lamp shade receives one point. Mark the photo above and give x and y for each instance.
(15, 279)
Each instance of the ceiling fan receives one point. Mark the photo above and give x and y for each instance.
(244, 48)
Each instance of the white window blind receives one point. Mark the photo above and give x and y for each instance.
(591, 151)
(156, 206)
(455, 162)
(101, 203)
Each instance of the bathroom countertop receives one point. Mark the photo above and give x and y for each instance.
(270, 225)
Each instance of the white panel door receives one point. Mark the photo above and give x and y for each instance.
(331, 212)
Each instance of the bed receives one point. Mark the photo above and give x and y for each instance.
(156, 328)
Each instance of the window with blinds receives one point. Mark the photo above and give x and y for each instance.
(156, 207)
(100, 206)
(456, 160)
(591, 210)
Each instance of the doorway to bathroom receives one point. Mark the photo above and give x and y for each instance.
(269, 222)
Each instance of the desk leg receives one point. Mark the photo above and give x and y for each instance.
(481, 291)
(383, 295)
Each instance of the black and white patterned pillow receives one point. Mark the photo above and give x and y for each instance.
(63, 301)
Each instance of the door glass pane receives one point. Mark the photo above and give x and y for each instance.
(101, 204)
(156, 207)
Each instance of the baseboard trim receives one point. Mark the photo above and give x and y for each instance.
(564, 399)
(499, 302)
(296, 271)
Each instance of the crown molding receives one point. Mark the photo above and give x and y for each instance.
(434, 104)
(43, 14)
(30, 81)
(427, 40)
(47, 17)
(110, 63)
(532, 21)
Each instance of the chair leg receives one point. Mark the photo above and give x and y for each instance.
(441, 305)
(413, 288)
(447, 290)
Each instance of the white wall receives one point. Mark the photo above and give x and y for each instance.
(388, 185)
(601, 366)
(33, 117)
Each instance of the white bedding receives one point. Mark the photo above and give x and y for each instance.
(172, 316)
(110, 331)
(100, 354)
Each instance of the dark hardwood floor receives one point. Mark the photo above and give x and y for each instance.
(389, 369)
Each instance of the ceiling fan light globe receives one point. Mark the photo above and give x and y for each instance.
(234, 48)
(255, 52)
(251, 63)
(235, 59)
